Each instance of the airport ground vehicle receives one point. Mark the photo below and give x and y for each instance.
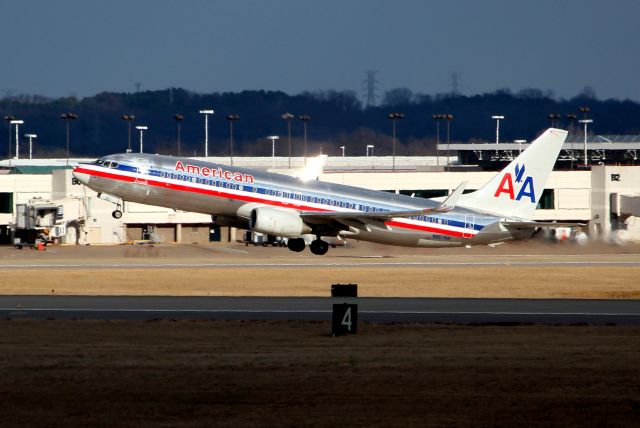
(38, 222)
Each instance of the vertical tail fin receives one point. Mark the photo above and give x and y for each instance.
(516, 190)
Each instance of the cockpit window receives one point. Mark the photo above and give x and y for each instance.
(106, 163)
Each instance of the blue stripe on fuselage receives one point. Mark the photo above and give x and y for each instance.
(309, 197)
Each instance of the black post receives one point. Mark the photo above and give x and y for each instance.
(448, 161)
(289, 130)
(305, 118)
(179, 118)
(68, 117)
(231, 118)
(288, 116)
(9, 118)
(179, 140)
(67, 122)
(129, 118)
(394, 117)
(231, 141)
(393, 168)
(129, 139)
(449, 118)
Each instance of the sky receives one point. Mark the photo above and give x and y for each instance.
(79, 47)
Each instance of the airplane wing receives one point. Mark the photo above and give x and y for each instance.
(447, 205)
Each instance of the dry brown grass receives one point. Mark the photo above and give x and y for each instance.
(502, 281)
(292, 374)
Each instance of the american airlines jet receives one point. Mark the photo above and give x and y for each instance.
(285, 206)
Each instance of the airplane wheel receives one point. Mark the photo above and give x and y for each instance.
(117, 214)
(296, 244)
(319, 247)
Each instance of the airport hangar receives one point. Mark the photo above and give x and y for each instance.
(605, 195)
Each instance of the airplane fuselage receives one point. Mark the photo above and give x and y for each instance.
(232, 192)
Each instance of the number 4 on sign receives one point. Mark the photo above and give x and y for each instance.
(346, 319)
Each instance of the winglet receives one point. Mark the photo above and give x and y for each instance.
(452, 200)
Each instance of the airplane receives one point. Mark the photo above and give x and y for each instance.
(286, 206)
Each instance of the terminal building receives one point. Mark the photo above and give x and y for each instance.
(42, 195)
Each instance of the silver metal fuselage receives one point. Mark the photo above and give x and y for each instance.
(222, 190)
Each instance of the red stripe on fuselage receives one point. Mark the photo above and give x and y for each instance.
(221, 194)
(427, 229)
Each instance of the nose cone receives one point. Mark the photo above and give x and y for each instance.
(81, 176)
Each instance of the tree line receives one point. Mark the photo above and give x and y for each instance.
(336, 118)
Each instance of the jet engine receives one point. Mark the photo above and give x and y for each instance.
(277, 222)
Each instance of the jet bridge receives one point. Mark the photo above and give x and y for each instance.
(624, 209)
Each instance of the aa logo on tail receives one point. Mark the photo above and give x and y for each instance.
(525, 187)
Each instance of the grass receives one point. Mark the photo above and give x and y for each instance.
(255, 374)
(500, 281)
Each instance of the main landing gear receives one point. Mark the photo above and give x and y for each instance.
(317, 247)
(296, 244)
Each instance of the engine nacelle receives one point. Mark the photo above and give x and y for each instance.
(277, 222)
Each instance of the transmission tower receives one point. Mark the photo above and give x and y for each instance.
(370, 88)
(454, 81)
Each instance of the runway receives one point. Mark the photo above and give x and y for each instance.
(354, 264)
(429, 310)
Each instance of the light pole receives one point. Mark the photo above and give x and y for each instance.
(141, 128)
(305, 118)
(585, 122)
(437, 118)
(17, 123)
(370, 146)
(273, 139)
(68, 117)
(520, 142)
(30, 137)
(449, 118)
(342, 148)
(206, 130)
(231, 118)
(584, 111)
(288, 117)
(497, 119)
(554, 117)
(571, 117)
(129, 118)
(393, 117)
(9, 119)
(179, 118)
